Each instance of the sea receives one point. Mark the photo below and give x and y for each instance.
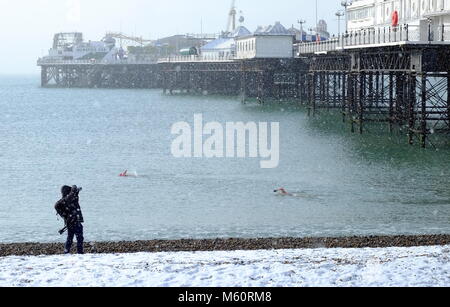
(342, 183)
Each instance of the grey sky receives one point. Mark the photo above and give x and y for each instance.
(27, 26)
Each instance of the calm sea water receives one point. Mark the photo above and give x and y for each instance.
(350, 185)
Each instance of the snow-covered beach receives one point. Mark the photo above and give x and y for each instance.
(414, 266)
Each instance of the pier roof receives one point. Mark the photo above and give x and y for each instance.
(241, 31)
(219, 44)
(276, 29)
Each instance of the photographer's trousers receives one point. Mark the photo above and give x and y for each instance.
(75, 230)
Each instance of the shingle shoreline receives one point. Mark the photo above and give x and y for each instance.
(191, 245)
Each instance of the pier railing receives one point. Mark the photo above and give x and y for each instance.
(44, 61)
(196, 58)
(379, 37)
(173, 59)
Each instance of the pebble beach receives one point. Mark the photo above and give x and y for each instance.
(35, 249)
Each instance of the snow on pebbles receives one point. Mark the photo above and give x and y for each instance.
(419, 266)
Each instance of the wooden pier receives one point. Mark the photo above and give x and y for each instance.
(89, 74)
(404, 86)
(260, 79)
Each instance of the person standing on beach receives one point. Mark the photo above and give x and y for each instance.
(68, 207)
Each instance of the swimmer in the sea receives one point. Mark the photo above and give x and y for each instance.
(282, 192)
(129, 174)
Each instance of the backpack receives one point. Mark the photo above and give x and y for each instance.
(61, 209)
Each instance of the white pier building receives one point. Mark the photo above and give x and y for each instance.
(378, 23)
(363, 14)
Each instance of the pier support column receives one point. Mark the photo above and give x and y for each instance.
(383, 99)
(400, 99)
(318, 87)
(303, 87)
(44, 76)
(261, 87)
(323, 88)
(243, 85)
(335, 85)
(411, 107)
(296, 88)
(164, 82)
(370, 93)
(448, 99)
(377, 90)
(205, 83)
(343, 100)
(314, 96)
(391, 101)
(327, 89)
(351, 99)
(312, 93)
(309, 90)
(172, 82)
(361, 101)
(423, 123)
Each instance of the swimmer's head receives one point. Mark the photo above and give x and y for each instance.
(281, 191)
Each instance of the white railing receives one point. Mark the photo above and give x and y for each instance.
(196, 58)
(380, 36)
(49, 61)
(173, 59)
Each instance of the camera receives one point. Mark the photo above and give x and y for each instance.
(77, 189)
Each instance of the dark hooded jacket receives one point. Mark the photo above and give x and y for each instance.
(69, 208)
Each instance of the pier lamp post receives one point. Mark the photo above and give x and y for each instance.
(345, 4)
(301, 22)
(317, 18)
(339, 15)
